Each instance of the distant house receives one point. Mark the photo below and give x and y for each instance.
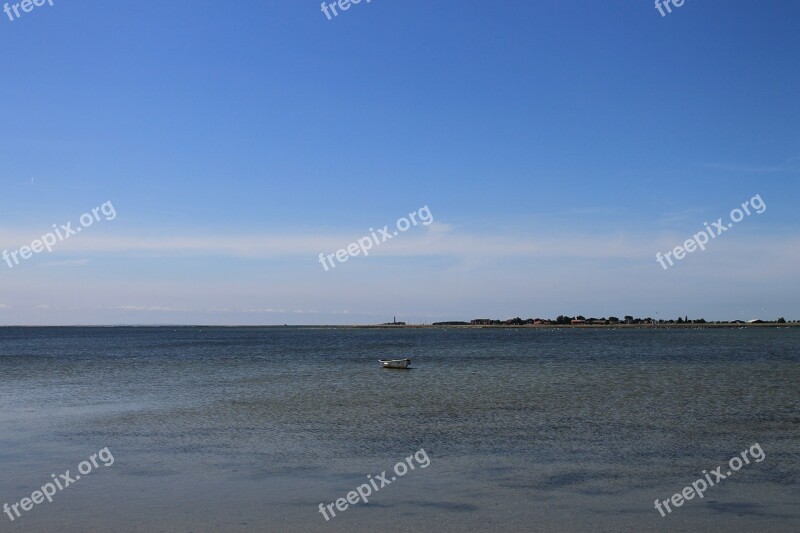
(577, 322)
(482, 322)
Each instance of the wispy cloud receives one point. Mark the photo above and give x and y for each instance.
(748, 169)
(437, 240)
(691, 215)
(66, 262)
(151, 309)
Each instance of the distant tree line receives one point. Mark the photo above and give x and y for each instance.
(582, 320)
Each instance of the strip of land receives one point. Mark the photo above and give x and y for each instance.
(582, 322)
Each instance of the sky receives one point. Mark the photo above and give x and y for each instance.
(558, 147)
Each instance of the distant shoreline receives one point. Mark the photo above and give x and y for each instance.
(728, 325)
(588, 326)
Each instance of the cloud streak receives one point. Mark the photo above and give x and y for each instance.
(438, 241)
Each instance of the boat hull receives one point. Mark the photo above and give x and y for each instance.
(396, 364)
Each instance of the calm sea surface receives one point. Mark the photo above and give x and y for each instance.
(250, 429)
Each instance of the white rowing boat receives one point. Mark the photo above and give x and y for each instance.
(395, 363)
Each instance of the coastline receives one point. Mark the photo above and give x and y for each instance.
(729, 325)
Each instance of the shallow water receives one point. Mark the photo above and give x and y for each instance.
(250, 429)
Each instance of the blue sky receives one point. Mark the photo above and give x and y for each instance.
(558, 145)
